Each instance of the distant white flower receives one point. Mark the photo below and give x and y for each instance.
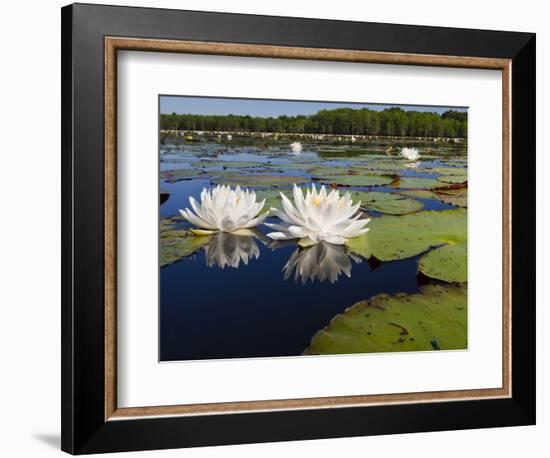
(322, 262)
(229, 137)
(411, 154)
(224, 210)
(296, 147)
(225, 249)
(353, 139)
(317, 217)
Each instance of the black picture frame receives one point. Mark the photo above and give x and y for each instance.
(84, 428)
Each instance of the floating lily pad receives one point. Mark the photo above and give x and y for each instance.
(456, 162)
(272, 197)
(445, 263)
(399, 237)
(328, 171)
(260, 180)
(459, 199)
(415, 183)
(452, 189)
(357, 180)
(446, 170)
(451, 179)
(176, 175)
(386, 202)
(360, 245)
(434, 319)
(304, 167)
(229, 164)
(381, 165)
(176, 244)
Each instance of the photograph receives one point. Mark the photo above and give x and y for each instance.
(279, 227)
(290, 228)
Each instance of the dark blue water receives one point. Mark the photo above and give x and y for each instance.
(251, 311)
(207, 312)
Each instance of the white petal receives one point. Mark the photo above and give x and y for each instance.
(280, 236)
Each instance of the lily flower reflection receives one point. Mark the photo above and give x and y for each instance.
(225, 249)
(321, 262)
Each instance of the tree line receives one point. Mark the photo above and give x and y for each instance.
(340, 121)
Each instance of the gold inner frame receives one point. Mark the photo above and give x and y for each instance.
(114, 44)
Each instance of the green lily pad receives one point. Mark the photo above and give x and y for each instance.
(453, 179)
(445, 263)
(229, 164)
(328, 171)
(360, 245)
(445, 170)
(386, 202)
(272, 197)
(415, 183)
(456, 162)
(399, 237)
(260, 180)
(459, 199)
(179, 174)
(381, 165)
(357, 180)
(301, 166)
(434, 319)
(177, 244)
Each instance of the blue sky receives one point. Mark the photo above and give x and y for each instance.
(266, 108)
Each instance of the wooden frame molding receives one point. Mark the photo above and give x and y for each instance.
(111, 46)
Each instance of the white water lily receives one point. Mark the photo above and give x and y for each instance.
(322, 262)
(225, 249)
(317, 217)
(229, 137)
(353, 139)
(225, 210)
(296, 147)
(410, 154)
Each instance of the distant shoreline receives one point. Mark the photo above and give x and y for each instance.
(195, 135)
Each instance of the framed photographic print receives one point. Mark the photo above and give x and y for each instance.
(282, 228)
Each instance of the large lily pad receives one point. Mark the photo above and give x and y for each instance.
(229, 164)
(434, 319)
(260, 180)
(386, 202)
(272, 197)
(381, 165)
(445, 170)
(415, 183)
(458, 199)
(451, 179)
(399, 237)
(455, 162)
(300, 166)
(357, 180)
(446, 263)
(176, 244)
(176, 175)
(328, 171)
